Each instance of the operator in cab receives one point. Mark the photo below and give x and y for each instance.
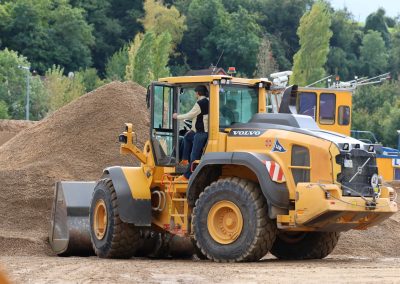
(195, 140)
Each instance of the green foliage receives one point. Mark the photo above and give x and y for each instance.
(13, 82)
(342, 57)
(47, 32)
(116, 65)
(142, 70)
(199, 48)
(309, 61)
(148, 58)
(39, 99)
(160, 19)
(374, 57)
(209, 34)
(3, 110)
(377, 22)
(377, 109)
(62, 89)
(114, 24)
(280, 19)
(162, 49)
(132, 51)
(394, 53)
(240, 40)
(89, 79)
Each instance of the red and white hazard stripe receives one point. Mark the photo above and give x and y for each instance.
(275, 171)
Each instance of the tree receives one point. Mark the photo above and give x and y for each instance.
(13, 88)
(39, 99)
(116, 65)
(47, 32)
(344, 43)
(376, 108)
(377, 22)
(115, 23)
(239, 38)
(266, 64)
(62, 89)
(89, 79)
(394, 54)
(198, 49)
(142, 68)
(131, 53)
(162, 50)
(148, 57)
(3, 110)
(237, 35)
(279, 19)
(374, 57)
(309, 61)
(159, 19)
(13, 82)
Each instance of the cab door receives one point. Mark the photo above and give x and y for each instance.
(163, 136)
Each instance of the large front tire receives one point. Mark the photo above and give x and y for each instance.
(304, 245)
(230, 222)
(111, 238)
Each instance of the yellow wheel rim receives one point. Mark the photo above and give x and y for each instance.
(100, 219)
(225, 222)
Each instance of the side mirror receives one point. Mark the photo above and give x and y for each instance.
(148, 96)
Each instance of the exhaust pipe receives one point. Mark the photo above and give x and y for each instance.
(69, 232)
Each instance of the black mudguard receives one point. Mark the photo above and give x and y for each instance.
(276, 194)
(131, 210)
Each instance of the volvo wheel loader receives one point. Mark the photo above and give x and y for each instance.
(265, 183)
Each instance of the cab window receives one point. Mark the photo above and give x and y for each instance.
(307, 104)
(327, 108)
(237, 104)
(344, 115)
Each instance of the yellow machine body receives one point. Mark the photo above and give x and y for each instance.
(304, 173)
(308, 200)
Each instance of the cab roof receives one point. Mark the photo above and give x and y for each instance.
(211, 78)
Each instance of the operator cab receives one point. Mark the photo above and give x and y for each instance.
(232, 100)
(329, 107)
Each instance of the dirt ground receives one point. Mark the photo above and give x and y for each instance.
(334, 269)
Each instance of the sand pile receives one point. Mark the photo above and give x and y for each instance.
(74, 143)
(10, 128)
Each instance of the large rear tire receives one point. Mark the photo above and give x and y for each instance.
(111, 238)
(304, 245)
(230, 222)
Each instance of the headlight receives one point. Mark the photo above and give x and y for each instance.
(122, 139)
(374, 180)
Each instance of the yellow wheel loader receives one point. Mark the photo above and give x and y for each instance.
(265, 183)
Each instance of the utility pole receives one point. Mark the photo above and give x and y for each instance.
(28, 69)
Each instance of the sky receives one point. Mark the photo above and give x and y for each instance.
(362, 8)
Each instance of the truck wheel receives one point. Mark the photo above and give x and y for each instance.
(111, 238)
(304, 245)
(230, 222)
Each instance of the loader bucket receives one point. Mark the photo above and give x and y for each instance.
(69, 225)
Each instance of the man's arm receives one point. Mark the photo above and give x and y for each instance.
(195, 111)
